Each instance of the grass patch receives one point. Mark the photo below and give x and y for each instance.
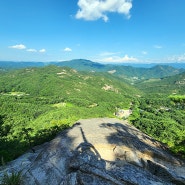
(13, 179)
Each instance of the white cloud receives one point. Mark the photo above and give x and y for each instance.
(67, 49)
(18, 46)
(97, 9)
(181, 58)
(177, 58)
(42, 50)
(158, 47)
(118, 59)
(31, 50)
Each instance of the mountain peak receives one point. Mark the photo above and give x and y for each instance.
(100, 151)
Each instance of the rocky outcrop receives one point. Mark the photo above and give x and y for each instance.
(100, 151)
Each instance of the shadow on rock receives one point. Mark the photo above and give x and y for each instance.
(148, 156)
(87, 167)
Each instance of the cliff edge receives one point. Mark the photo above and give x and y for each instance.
(102, 151)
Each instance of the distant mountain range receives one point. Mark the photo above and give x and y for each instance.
(128, 70)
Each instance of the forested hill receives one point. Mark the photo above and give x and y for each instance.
(56, 81)
(158, 71)
(168, 85)
(83, 65)
(160, 112)
(36, 103)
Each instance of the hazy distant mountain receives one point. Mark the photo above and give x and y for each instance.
(158, 71)
(149, 65)
(123, 71)
(82, 65)
(18, 65)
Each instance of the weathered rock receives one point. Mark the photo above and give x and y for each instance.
(99, 151)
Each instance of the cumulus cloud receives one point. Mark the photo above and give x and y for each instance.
(18, 46)
(42, 50)
(97, 9)
(118, 59)
(177, 58)
(67, 49)
(31, 50)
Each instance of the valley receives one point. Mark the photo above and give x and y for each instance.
(38, 102)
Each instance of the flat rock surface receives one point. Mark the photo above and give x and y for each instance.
(102, 151)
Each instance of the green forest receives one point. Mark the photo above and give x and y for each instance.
(163, 119)
(36, 103)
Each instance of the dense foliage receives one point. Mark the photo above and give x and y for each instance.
(161, 112)
(166, 86)
(163, 118)
(36, 103)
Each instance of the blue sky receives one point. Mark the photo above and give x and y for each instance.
(102, 31)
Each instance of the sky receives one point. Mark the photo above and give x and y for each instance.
(107, 31)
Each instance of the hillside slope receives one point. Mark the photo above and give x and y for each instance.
(160, 111)
(168, 85)
(65, 82)
(36, 103)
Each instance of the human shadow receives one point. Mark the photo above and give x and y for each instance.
(86, 153)
(88, 167)
(87, 147)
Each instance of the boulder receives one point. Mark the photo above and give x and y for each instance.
(102, 151)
